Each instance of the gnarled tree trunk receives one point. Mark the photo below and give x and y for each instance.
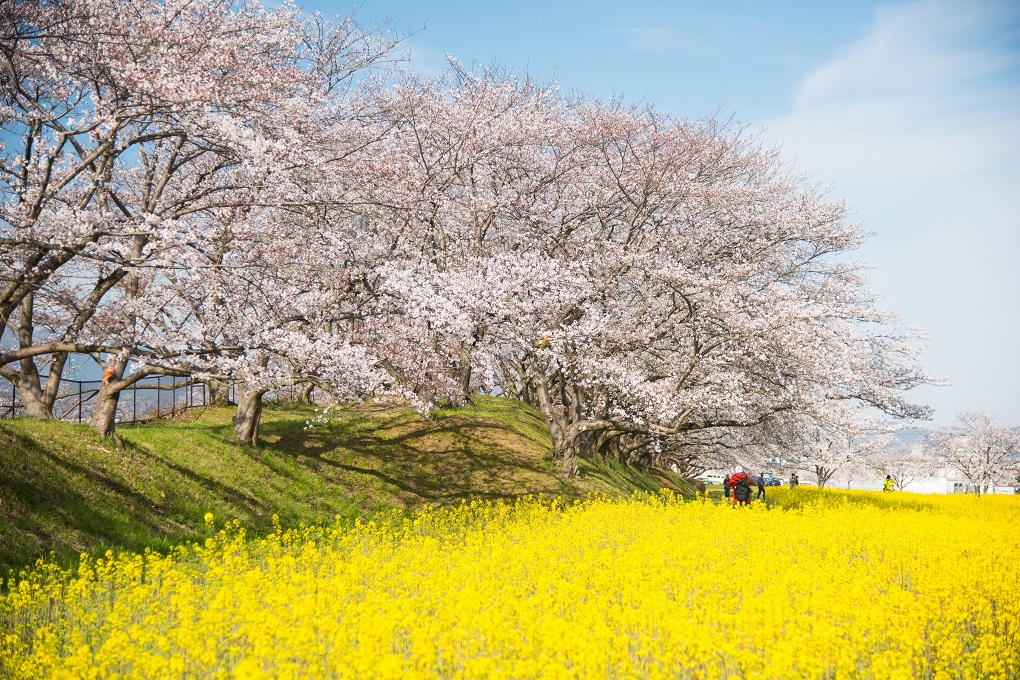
(249, 412)
(38, 399)
(464, 375)
(564, 452)
(104, 414)
(219, 392)
(32, 394)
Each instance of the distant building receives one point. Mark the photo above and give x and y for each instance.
(944, 481)
(947, 485)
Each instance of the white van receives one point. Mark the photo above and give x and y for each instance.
(711, 477)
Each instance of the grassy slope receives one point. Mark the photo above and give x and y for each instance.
(64, 490)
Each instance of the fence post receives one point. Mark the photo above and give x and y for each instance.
(80, 397)
(134, 403)
(173, 395)
(159, 384)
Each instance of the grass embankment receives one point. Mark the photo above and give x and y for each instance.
(64, 490)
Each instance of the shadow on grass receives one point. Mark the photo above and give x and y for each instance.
(58, 504)
(613, 474)
(460, 454)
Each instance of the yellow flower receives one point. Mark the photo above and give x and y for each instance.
(820, 584)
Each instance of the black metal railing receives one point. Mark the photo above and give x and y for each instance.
(144, 400)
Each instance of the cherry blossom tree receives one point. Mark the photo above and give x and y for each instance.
(905, 463)
(640, 280)
(463, 148)
(985, 453)
(715, 301)
(849, 445)
(137, 124)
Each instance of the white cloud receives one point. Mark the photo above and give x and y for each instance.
(921, 92)
(917, 124)
(913, 50)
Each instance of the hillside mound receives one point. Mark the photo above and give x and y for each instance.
(65, 491)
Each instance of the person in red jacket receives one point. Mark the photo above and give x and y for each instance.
(740, 486)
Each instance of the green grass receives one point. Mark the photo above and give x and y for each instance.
(65, 491)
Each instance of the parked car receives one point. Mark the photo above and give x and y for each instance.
(710, 478)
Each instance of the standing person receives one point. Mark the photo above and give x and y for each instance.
(726, 486)
(740, 483)
(793, 479)
(761, 485)
(888, 484)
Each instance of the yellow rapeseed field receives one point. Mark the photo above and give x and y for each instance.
(819, 585)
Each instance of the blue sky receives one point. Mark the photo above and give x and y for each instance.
(909, 110)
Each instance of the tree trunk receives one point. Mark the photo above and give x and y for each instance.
(517, 382)
(306, 393)
(104, 414)
(548, 409)
(824, 474)
(33, 396)
(464, 375)
(219, 392)
(38, 397)
(34, 400)
(52, 388)
(568, 461)
(249, 412)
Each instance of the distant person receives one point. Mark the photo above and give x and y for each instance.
(726, 486)
(888, 484)
(793, 479)
(761, 485)
(740, 483)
